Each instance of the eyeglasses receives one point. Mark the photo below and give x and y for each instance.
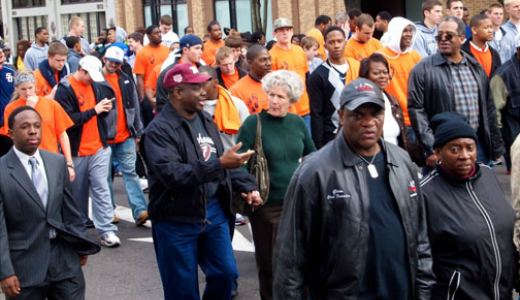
(447, 36)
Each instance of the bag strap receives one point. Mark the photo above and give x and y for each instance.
(258, 139)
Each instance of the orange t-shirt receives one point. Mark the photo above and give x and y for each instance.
(210, 50)
(293, 59)
(401, 66)
(229, 80)
(122, 133)
(151, 83)
(54, 120)
(358, 50)
(149, 57)
(90, 141)
(250, 91)
(318, 36)
(483, 56)
(43, 88)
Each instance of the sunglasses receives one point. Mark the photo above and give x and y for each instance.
(445, 36)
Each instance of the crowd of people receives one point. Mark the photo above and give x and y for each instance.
(362, 152)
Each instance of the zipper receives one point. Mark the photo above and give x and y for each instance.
(491, 228)
(455, 273)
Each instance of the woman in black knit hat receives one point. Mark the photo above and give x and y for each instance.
(469, 219)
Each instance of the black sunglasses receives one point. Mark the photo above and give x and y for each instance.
(447, 36)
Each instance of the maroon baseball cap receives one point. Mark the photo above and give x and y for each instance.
(184, 73)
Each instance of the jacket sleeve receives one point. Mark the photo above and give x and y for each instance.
(6, 265)
(138, 124)
(291, 252)
(499, 92)
(70, 212)
(316, 98)
(164, 160)
(515, 188)
(425, 279)
(242, 181)
(496, 136)
(66, 100)
(416, 110)
(419, 44)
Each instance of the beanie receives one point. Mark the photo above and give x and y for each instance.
(448, 126)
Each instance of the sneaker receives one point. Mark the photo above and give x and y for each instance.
(142, 218)
(240, 220)
(115, 219)
(110, 240)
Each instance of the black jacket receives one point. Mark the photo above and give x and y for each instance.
(495, 57)
(470, 224)
(430, 91)
(241, 73)
(322, 240)
(106, 121)
(177, 173)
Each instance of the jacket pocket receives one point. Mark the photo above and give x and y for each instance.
(453, 285)
(18, 245)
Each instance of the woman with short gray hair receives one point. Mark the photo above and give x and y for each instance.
(285, 140)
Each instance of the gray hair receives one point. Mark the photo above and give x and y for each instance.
(288, 80)
(23, 77)
(341, 17)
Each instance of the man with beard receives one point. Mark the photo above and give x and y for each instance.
(451, 80)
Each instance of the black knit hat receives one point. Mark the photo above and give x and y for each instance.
(448, 126)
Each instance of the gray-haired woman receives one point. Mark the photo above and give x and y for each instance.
(285, 140)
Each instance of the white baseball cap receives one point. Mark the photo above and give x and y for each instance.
(93, 66)
(115, 54)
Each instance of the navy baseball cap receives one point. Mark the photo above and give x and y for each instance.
(189, 40)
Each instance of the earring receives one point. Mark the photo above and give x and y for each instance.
(438, 162)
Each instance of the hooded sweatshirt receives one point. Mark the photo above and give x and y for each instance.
(34, 56)
(425, 42)
(401, 62)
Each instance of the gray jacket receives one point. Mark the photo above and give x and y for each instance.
(425, 42)
(321, 247)
(504, 42)
(34, 56)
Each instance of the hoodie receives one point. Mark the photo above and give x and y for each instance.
(34, 56)
(401, 62)
(425, 42)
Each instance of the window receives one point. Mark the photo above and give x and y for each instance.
(177, 9)
(94, 23)
(63, 2)
(27, 25)
(27, 3)
(232, 14)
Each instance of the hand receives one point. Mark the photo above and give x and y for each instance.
(232, 160)
(83, 260)
(32, 100)
(137, 141)
(10, 286)
(52, 93)
(431, 160)
(72, 174)
(252, 198)
(104, 105)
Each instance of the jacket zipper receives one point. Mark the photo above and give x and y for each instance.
(492, 233)
(455, 273)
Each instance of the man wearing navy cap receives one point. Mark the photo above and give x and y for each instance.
(190, 52)
(353, 214)
(191, 181)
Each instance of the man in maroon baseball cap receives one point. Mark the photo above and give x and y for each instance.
(191, 181)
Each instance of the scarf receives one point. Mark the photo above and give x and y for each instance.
(226, 114)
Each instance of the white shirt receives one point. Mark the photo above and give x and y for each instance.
(391, 128)
(167, 39)
(24, 159)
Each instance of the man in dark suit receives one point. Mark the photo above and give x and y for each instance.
(42, 236)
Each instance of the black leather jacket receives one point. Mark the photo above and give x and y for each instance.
(321, 247)
(430, 91)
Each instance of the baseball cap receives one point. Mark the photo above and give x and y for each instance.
(361, 91)
(282, 23)
(92, 65)
(115, 54)
(183, 73)
(189, 40)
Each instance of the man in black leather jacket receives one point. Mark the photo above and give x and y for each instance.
(352, 225)
(432, 89)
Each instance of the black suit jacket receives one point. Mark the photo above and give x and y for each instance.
(25, 247)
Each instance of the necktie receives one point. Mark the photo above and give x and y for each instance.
(38, 181)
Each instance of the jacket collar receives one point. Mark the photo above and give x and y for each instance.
(439, 59)
(48, 73)
(350, 158)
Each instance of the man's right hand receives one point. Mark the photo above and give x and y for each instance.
(232, 160)
(104, 105)
(10, 286)
(431, 160)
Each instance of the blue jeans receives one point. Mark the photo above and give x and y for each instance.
(125, 155)
(181, 246)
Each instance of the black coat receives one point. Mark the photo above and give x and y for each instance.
(495, 57)
(470, 225)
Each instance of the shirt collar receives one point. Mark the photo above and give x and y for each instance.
(24, 158)
(474, 46)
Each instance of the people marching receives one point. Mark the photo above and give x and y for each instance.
(363, 152)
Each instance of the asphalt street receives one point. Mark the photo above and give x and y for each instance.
(130, 271)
